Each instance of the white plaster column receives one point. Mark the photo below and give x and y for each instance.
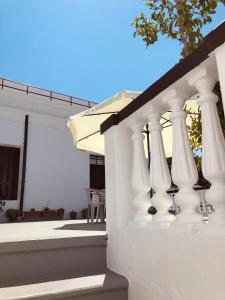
(213, 145)
(140, 183)
(184, 171)
(118, 159)
(220, 60)
(160, 179)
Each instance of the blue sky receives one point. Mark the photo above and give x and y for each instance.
(83, 48)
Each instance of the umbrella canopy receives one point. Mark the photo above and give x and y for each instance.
(85, 126)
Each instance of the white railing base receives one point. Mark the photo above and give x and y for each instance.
(159, 225)
(188, 218)
(210, 228)
(162, 218)
(142, 222)
(188, 227)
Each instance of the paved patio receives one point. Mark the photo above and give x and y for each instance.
(27, 231)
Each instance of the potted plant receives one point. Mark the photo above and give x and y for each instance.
(2, 204)
(46, 213)
(32, 213)
(13, 214)
(73, 215)
(2, 215)
(61, 212)
(54, 213)
(84, 213)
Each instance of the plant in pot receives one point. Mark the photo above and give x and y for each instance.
(46, 212)
(28, 214)
(54, 213)
(61, 212)
(13, 214)
(49, 213)
(32, 213)
(2, 204)
(2, 200)
(84, 213)
(73, 215)
(2, 214)
(36, 213)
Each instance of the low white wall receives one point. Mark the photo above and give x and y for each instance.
(159, 264)
(168, 265)
(56, 172)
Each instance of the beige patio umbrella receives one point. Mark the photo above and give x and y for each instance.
(85, 126)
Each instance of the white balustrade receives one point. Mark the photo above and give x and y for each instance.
(140, 183)
(128, 139)
(184, 171)
(213, 145)
(160, 179)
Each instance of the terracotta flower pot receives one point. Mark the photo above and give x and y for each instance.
(32, 214)
(60, 212)
(49, 213)
(73, 215)
(84, 213)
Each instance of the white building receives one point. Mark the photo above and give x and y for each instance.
(55, 173)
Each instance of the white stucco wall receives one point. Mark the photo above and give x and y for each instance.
(168, 265)
(56, 172)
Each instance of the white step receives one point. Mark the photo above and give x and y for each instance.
(27, 262)
(107, 286)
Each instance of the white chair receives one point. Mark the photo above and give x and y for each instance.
(102, 205)
(96, 205)
(93, 205)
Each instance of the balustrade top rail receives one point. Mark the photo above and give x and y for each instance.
(213, 40)
(33, 90)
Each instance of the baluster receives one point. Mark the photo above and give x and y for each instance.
(159, 172)
(213, 146)
(140, 182)
(184, 171)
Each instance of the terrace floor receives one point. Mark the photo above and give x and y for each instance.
(41, 230)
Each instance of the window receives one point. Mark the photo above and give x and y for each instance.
(97, 160)
(9, 172)
(97, 172)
